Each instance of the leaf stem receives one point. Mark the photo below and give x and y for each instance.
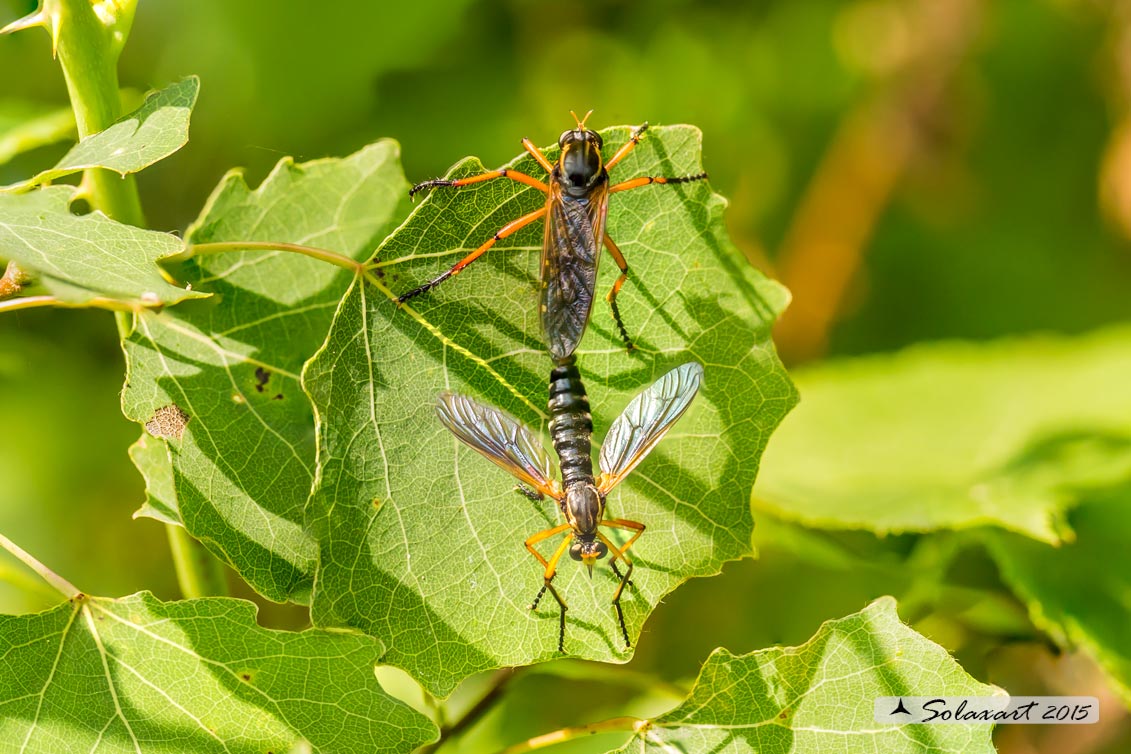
(60, 584)
(198, 573)
(323, 255)
(613, 725)
(32, 302)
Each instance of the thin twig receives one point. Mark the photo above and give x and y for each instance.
(60, 584)
(499, 682)
(616, 724)
(323, 255)
(33, 302)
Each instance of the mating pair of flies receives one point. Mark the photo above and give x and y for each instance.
(577, 197)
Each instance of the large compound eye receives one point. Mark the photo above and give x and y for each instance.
(602, 551)
(596, 137)
(564, 137)
(575, 551)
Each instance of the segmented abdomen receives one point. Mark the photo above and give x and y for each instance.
(571, 426)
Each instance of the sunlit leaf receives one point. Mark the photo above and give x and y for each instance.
(243, 461)
(820, 696)
(422, 540)
(151, 458)
(140, 675)
(135, 141)
(83, 257)
(951, 436)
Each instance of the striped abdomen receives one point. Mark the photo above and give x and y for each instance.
(571, 426)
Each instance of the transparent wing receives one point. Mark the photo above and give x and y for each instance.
(498, 436)
(571, 249)
(647, 419)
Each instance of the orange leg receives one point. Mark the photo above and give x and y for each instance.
(637, 134)
(506, 230)
(619, 553)
(514, 175)
(536, 153)
(542, 536)
(624, 523)
(551, 570)
(646, 180)
(618, 257)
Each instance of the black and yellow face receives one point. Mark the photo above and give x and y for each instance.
(580, 163)
(588, 552)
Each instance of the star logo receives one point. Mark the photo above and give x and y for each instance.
(900, 709)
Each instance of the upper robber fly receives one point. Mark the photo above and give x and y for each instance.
(577, 201)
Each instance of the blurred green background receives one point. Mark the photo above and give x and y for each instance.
(912, 169)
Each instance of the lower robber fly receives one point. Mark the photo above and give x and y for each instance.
(580, 496)
(577, 201)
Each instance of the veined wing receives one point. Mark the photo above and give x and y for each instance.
(571, 249)
(499, 437)
(646, 419)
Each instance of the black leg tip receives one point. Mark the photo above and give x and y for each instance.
(412, 192)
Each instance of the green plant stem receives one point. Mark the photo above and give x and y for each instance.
(626, 724)
(198, 573)
(89, 62)
(60, 584)
(33, 302)
(323, 255)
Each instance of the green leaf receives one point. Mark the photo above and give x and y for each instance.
(820, 696)
(151, 457)
(953, 435)
(81, 258)
(242, 462)
(1078, 593)
(25, 126)
(140, 675)
(421, 539)
(135, 141)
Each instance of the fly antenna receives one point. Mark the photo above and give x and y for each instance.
(580, 122)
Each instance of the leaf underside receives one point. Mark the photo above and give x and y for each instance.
(78, 258)
(820, 696)
(243, 463)
(140, 675)
(420, 539)
(159, 127)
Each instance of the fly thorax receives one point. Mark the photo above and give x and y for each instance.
(580, 166)
(584, 507)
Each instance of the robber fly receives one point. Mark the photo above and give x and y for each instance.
(577, 201)
(580, 496)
